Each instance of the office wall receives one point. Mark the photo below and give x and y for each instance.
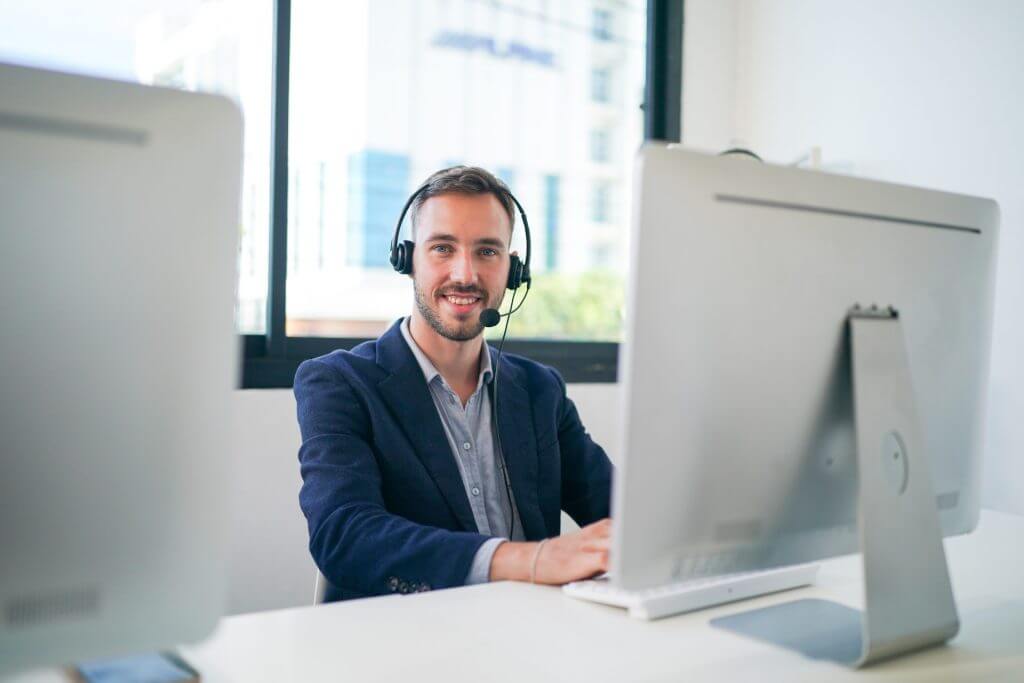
(268, 564)
(922, 92)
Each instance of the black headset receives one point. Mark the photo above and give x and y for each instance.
(401, 252)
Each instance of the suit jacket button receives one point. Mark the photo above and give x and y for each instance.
(392, 584)
(403, 588)
(423, 588)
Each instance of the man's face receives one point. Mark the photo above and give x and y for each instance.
(460, 263)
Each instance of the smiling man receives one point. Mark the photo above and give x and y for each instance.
(409, 483)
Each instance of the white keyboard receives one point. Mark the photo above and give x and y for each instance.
(693, 594)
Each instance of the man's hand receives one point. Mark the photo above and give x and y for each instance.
(571, 557)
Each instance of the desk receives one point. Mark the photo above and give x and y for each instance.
(519, 632)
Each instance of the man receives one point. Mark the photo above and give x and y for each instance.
(407, 484)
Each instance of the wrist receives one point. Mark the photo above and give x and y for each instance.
(512, 561)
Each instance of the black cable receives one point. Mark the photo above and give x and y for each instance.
(494, 413)
(509, 314)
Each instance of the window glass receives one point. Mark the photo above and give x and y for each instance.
(384, 92)
(600, 85)
(599, 143)
(220, 46)
(602, 24)
(600, 200)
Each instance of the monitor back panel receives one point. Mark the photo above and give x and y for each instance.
(738, 442)
(119, 223)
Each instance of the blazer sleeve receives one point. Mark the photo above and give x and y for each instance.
(586, 469)
(354, 540)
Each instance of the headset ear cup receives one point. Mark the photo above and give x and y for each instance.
(515, 273)
(402, 258)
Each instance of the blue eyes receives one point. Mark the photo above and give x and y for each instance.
(446, 249)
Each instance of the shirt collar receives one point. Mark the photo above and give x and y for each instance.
(430, 372)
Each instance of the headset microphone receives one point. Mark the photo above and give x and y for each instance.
(490, 317)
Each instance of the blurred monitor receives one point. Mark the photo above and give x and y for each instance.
(738, 437)
(118, 225)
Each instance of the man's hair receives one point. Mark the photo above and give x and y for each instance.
(470, 180)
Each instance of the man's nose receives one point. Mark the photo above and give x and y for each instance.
(462, 268)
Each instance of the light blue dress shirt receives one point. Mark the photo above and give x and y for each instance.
(472, 439)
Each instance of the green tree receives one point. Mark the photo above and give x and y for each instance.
(581, 306)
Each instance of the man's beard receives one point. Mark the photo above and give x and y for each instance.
(463, 332)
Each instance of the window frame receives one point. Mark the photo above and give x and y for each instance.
(271, 359)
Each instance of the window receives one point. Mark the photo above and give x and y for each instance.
(551, 208)
(602, 24)
(348, 106)
(222, 47)
(376, 190)
(599, 205)
(600, 85)
(599, 146)
(427, 82)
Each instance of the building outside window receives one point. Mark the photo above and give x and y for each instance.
(602, 24)
(552, 204)
(600, 85)
(383, 93)
(378, 183)
(600, 202)
(427, 84)
(599, 144)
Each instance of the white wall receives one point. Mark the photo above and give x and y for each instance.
(269, 565)
(921, 92)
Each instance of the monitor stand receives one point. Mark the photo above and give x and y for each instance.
(908, 599)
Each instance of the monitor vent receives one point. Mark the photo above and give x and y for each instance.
(66, 128)
(947, 500)
(37, 609)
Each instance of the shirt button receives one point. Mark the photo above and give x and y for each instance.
(476, 491)
(467, 446)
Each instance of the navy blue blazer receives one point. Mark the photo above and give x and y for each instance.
(386, 507)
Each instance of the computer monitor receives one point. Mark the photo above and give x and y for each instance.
(738, 441)
(119, 215)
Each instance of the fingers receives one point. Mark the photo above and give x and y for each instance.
(576, 556)
(601, 529)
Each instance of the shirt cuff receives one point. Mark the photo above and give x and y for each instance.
(480, 570)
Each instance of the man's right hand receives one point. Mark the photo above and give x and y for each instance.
(570, 557)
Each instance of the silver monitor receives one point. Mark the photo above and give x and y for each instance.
(738, 443)
(119, 211)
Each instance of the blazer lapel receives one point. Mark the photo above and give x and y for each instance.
(519, 446)
(406, 393)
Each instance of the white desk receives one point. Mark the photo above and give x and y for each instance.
(519, 632)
